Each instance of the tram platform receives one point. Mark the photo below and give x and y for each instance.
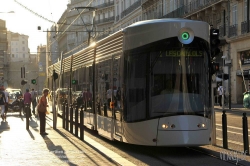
(19, 146)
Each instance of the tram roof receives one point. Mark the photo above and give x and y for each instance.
(149, 31)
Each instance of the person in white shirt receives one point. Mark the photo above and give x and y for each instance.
(220, 92)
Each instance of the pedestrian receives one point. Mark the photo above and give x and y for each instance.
(220, 91)
(2, 102)
(27, 101)
(87, 98)
(42, 107)
(33, 100)
(7, 97)
(109, 95)
(118, 97)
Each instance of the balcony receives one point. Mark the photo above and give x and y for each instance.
(222, 30)
(117, 18)
(178, 13)
(131, 8)
(244, 27)
(233, 30)
(105, 5)
(196, 5)
(71, 41)
(105, 20)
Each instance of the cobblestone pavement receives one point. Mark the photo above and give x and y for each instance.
(22, 147)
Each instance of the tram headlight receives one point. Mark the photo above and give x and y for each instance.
(186, 35)
(164, 126)
(201, 125)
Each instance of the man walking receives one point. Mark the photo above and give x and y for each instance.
(33, 100)
(2, 102)
(7, 97)
(27, 100)
(220, 91)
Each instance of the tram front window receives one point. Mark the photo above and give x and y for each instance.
(167, 78)
(179, 84)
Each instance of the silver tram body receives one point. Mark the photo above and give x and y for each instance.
(162, 69)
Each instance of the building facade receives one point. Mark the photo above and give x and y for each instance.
(18, 48)
(231, 17)
(42, 68)
(3, 53)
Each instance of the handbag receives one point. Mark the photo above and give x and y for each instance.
(41, 107)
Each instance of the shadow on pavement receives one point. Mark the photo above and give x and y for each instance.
(97, 150)
(58, 151)
(31, 135)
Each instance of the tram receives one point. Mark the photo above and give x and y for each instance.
(150, 83)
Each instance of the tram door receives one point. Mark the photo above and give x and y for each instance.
(88, 96)
(116, 96)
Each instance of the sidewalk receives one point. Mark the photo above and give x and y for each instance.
(234, 107)
(21, 147)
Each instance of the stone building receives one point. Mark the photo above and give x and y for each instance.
(231, 17)
(3, 53)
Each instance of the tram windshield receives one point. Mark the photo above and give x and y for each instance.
(168, 81)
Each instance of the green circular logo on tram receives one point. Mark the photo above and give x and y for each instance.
(185, 35)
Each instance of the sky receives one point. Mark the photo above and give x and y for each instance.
(23, 21)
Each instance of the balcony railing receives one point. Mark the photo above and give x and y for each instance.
(244, 27)
(131, 8)
(222, 30)
(105, 20)
(198, 5)
(233, 30)
(105, 5)
(117, 17)
(178, 13)
(144, 1)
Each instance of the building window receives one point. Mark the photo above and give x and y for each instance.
(23, 49)
(234, 17)
(13, 56)
(23, 55)
(245, 10)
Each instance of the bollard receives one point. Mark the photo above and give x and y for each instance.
(76, 121)
(245, 133)
(67, 116)
(105, 109)
(224, 130)
(81, 123)
(63, 114)
(71, 118)
(26, 107)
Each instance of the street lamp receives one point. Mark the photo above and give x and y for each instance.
(8, 12)
(90, 9)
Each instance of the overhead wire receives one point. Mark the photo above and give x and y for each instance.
(69, 25)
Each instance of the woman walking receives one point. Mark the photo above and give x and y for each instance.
(42, 107)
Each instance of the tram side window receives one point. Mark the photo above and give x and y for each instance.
(136, 88)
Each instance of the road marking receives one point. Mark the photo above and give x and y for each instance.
(231, 132)
(233, 142)
(231, 127)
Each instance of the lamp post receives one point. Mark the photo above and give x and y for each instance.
(223, 65)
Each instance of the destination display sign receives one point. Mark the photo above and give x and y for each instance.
(188, 53)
